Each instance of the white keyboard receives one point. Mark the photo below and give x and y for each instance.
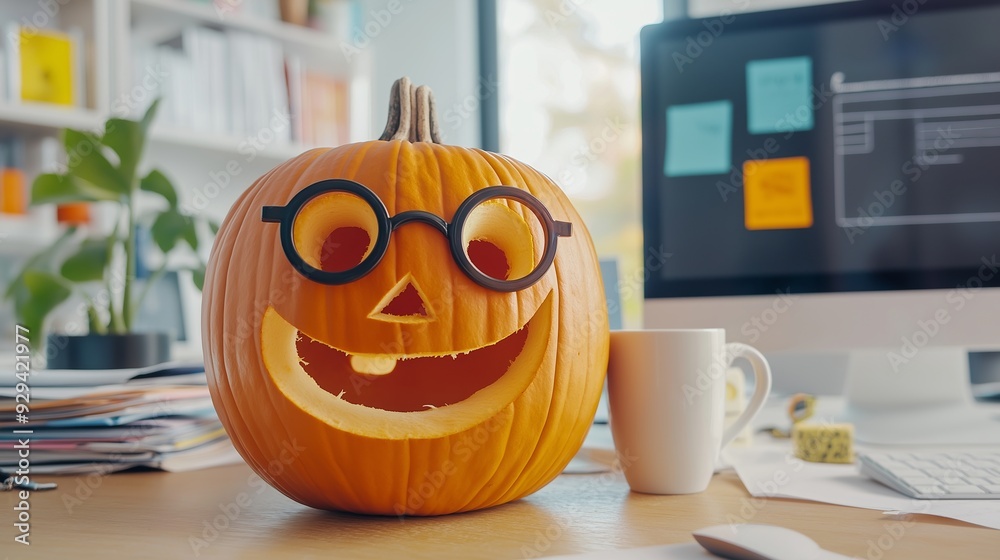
(936, 475)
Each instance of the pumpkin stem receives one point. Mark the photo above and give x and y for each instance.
(412, 114)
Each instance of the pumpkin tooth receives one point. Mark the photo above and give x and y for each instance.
(373, 365)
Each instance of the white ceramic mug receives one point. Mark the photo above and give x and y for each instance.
(666, 390)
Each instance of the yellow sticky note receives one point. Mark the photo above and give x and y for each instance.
(777, 194)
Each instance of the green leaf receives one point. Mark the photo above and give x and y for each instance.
(168, 228)
(150, 115)
(43, 260)
(88, 263)
(86, 161)
(214, 227)
(191, 233)
(198, 276)
(128, 140)
(36, 296)
(52, 188)
(157, 182)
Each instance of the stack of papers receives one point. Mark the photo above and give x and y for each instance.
(159, 417)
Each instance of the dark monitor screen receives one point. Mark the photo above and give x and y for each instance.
(163, 308)
(850, 147)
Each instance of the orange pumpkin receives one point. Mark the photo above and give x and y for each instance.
(369, 353)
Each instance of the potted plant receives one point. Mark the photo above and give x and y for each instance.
(100, 269)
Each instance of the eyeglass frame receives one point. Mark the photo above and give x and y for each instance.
(285, 216)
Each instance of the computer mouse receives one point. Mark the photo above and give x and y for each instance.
(760, 542)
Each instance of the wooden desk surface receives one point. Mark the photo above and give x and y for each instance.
(161, 515)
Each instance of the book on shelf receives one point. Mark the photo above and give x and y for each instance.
(238, 84)
(324, 110)
(43, 65)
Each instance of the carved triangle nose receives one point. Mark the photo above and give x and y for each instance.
(404, 303)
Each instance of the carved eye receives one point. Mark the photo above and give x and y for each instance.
(502, 239)
(335, 231)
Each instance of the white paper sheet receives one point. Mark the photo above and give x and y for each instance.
(768, 469)
(91, 378)
(687, 551)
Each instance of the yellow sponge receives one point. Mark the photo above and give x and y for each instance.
(823, 443)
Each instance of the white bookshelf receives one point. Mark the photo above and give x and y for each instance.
(172, 12)
(221, 145)
(21, 236)
(43, 119)
(110, 30)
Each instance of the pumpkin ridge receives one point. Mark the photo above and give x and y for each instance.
(273, 403)
(491, 496)
(246, 437)
(271, 251)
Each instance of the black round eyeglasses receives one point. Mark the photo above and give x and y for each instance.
(286, 216)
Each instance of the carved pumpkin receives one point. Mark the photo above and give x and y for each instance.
(382, 331)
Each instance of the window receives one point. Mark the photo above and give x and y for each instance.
(569, 106)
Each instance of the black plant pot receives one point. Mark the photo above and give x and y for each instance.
(111, 351)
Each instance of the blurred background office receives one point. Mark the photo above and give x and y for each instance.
(246, 84)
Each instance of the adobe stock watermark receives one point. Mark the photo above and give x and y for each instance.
(787, 125)
(913, 169)
(587, 154)
(901, 14)
(142, 93)
(894, 531)
(376, 22)
(630, 286)
(544, 539)
(462, 450)
(753, 328)
(250, 147)
(89, 483)
(751, 506)
(565, 10)
(29, 26)
(696, 44)
(249, 323)
(231, 511)
(461, 111)
(955, 301)
(226, 8)
(759, 324)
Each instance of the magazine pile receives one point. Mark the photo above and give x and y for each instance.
(105, 421)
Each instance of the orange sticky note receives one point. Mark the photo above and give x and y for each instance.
(777, 194)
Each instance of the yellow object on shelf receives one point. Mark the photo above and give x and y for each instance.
(47, 64)
(823, 443)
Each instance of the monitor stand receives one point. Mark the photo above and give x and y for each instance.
(920, 397)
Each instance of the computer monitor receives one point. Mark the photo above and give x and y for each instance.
(827, 179)
(173, 305)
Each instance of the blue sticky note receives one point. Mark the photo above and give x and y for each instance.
(779, 96)
(699, 138)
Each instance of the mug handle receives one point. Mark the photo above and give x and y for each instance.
(762, 387)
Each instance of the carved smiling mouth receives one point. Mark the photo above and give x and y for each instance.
(376, 389)
(398, 383)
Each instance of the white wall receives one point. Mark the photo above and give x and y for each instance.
(434, 42)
